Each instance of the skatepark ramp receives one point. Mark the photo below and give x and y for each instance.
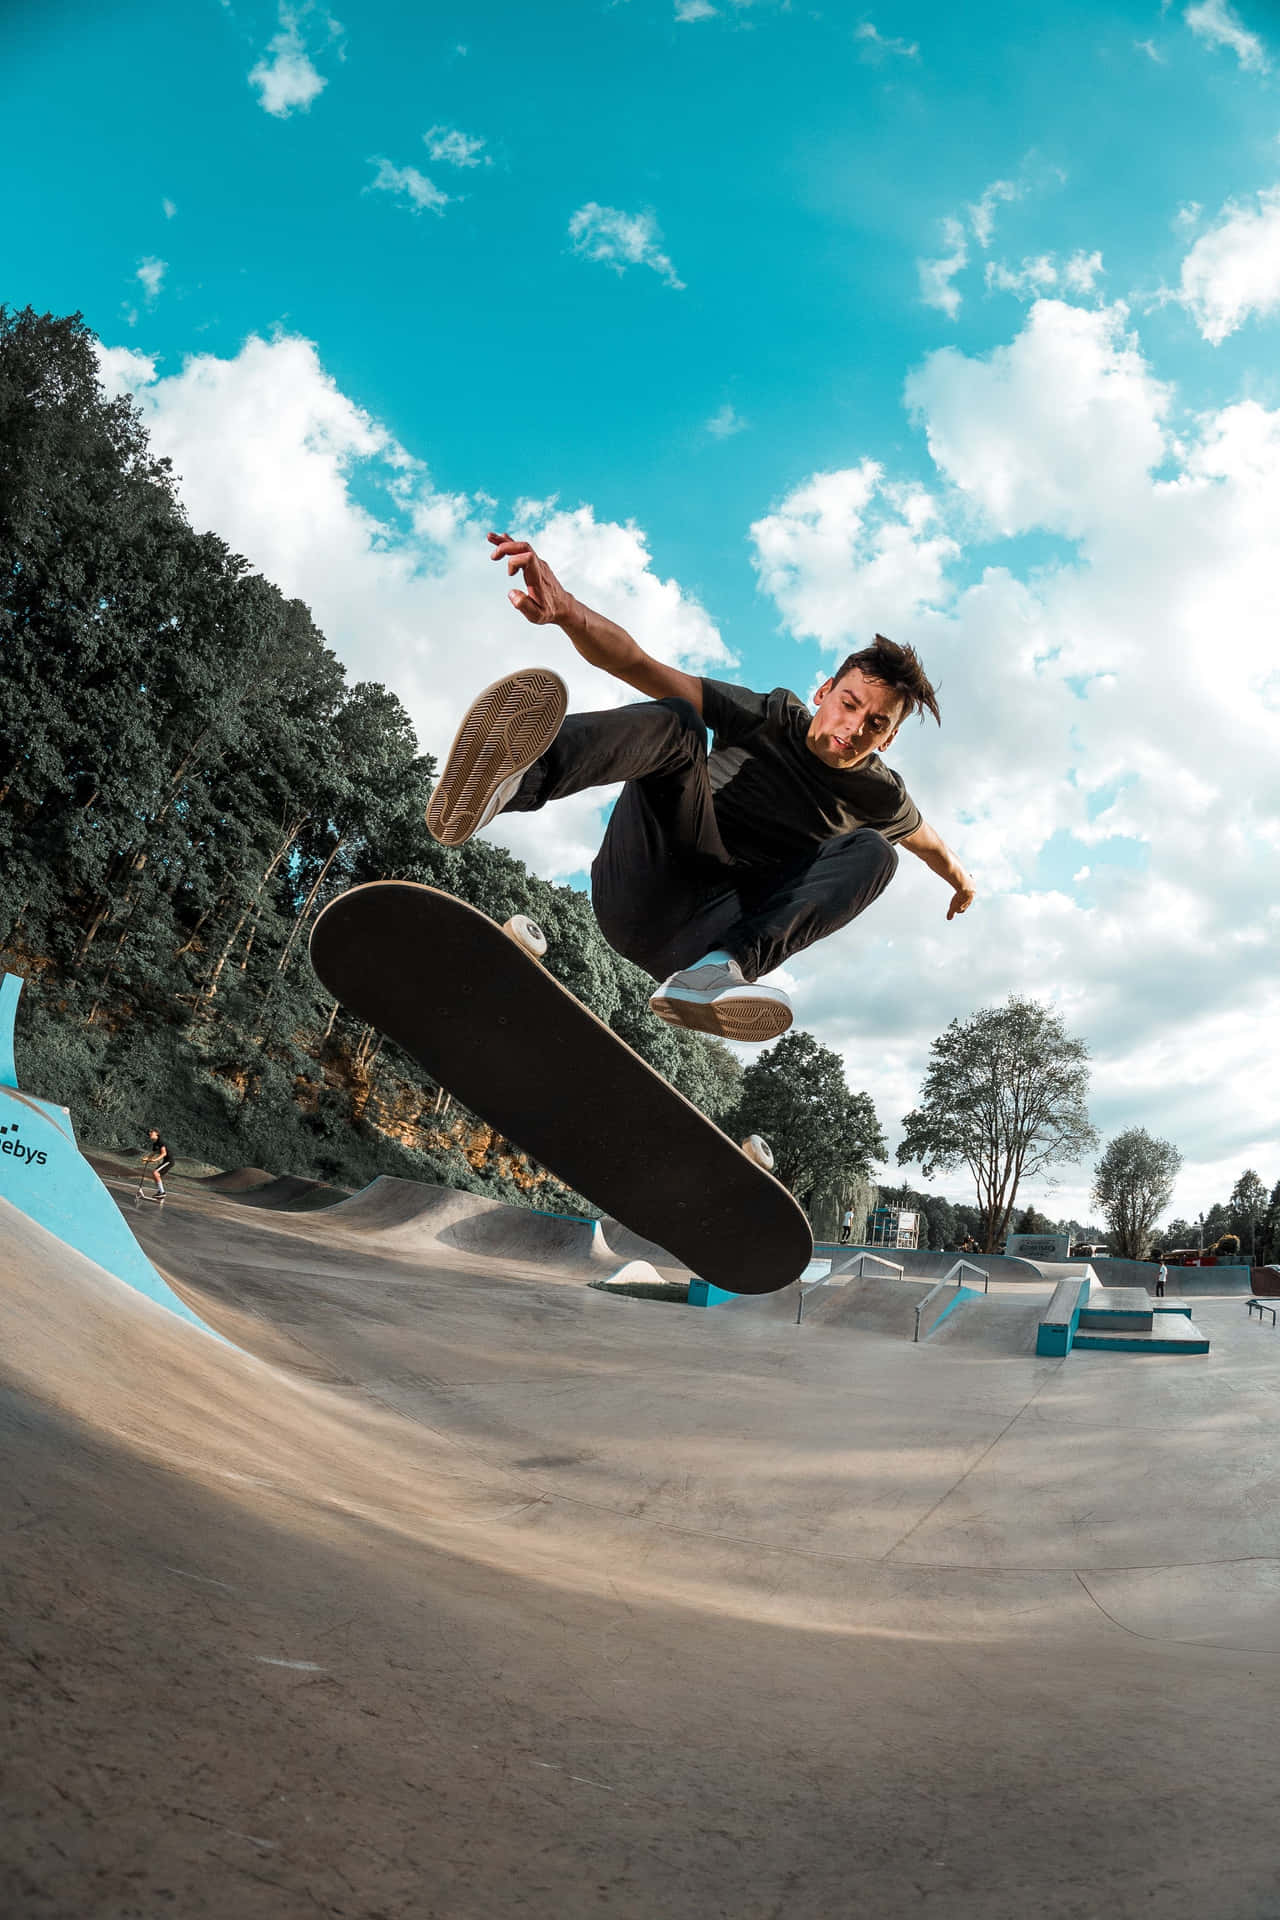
(1181, 1283)
(44, 1175)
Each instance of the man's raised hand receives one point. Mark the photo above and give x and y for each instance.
(543, 601)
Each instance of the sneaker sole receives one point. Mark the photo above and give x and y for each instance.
(509, 726)
(728, 1020)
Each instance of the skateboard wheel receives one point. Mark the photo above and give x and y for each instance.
(758, 1149)
(527, 934)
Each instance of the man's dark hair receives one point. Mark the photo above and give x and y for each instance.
(899, 668)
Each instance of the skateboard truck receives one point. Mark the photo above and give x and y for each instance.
(527, 935)
(758, 1149)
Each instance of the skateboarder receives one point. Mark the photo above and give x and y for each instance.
(714, 868)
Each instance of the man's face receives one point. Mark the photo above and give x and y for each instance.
(855, 716)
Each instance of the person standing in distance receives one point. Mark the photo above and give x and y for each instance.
(715, 867)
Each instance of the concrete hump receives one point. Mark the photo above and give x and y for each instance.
(518, 1233)
(291, 1193)
(414, 1210)
(412, 1216)
(636, 1273)
(236, 1180)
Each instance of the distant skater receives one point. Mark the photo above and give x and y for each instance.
(715, 866)
(1161, 1277)
(158, 1161)
(846, 1226)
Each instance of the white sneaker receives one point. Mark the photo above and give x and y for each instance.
(509, 726)
(714, 998)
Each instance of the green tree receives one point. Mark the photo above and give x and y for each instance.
(822, 1134)
(1032, 1221)
(1133, 1184)
(1248, 1204)
(1004, 1095)
(1269, 1233)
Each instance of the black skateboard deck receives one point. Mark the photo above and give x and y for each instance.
(499, 1033)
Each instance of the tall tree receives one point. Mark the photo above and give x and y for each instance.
(1248, 1204)
(1133, 1184)
(1004, 1095)
(822, 1134)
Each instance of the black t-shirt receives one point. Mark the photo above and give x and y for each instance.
(774, 799)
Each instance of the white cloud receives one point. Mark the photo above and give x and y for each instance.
(169, 209)
(1233, 270)
(688, 11)
(1220, 26)
(1121, 695)
(876, 46)
(1080, 274)
(413, 186)
(621, 240)
(272, 455)
(286, 77)
(1037, 276)
(151, 273)
(936, 276)
(1031, 278)
(982, 214)
(456, 149)
(844, 547)
(1046, 430)
(725, 423)
(1151, 50)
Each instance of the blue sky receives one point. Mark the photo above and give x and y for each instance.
(784, 324)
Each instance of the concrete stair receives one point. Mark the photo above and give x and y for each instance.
(1128, 1320)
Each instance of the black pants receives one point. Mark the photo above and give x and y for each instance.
(664, 887)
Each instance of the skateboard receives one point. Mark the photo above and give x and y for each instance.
(472, 1003)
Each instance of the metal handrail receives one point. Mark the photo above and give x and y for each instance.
(893, 1266)
(965, 1266)
(1263, 1307)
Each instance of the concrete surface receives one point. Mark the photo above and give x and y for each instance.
(459, 1588)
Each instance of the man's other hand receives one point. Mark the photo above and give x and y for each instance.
(543, 600)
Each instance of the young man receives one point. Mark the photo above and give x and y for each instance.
(714, 869)
(159, 1159)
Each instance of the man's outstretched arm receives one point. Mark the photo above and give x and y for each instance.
(600, 640)
(929, 846)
